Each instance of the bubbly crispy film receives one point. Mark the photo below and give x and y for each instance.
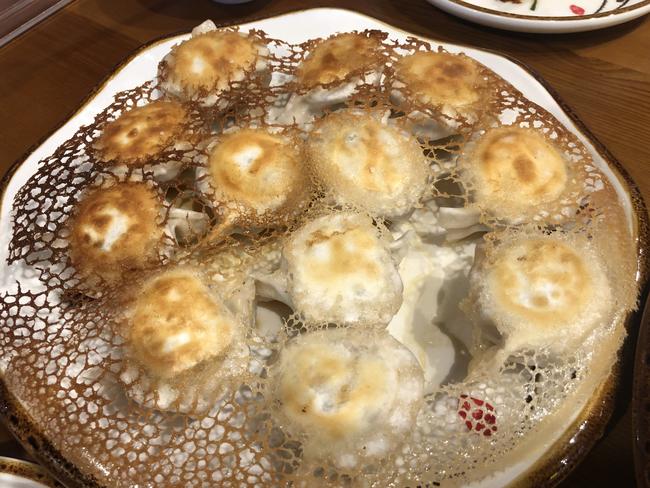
(340, 271)
(341, 393)
(542, 290)
(129, 405)
(364, 161)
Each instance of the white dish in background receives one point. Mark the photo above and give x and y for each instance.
(15, 473)
(546, 16)
(8, 480)
(299, 27)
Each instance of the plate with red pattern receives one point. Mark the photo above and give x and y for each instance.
(546, 16)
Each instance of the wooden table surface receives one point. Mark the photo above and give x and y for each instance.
(604, 76)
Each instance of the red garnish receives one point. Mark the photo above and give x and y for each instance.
(472, 409)
(577, 10)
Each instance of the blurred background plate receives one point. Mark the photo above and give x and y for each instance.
(15, 473)
(546, 16)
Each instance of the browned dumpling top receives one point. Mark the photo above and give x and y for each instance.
(141, 133)
(440, 79)
(335, 58)
(116, 229)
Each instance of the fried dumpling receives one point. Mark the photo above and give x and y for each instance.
(183, 343)
(139, 135)
(256, 178)
(340, 270)
(349, 397)
(365, 162)
(115, 229)
(205, 66)
(542, 291)
(513, 173)
(334, 70)
(452, 83)
(335, 58)
(168, 337)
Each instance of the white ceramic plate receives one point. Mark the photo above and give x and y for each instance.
(546, 16)
(15, 473)
(298, 27)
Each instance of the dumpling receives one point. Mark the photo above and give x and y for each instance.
(514, 173)
(541, 291)
(333, 71)
(113, 230)
(138, 136)
(365, 162)
(340, 271)
(255, 178)
(452, 83)
(183, 344)
(348, 396)
(335, 58)
(169, 337)
(205, 66)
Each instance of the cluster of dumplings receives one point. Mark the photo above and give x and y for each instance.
(246, 180)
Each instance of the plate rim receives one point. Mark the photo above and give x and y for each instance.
(27, 470)
(565, 18)
(19, 423)
(641, 400)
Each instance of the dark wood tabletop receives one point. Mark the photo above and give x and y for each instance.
(46, 72)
